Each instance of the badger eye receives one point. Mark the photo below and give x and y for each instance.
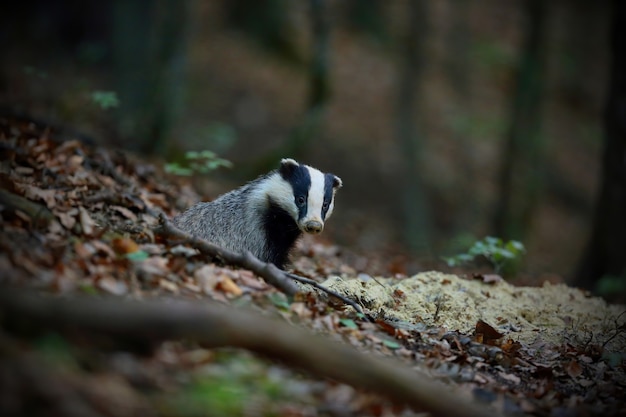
(300, 201)
(325, 206)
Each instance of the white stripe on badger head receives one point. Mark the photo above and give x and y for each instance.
(316, 197)
(280, 192)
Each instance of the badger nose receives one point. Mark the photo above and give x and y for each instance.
(313, 227)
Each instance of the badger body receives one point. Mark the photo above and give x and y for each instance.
(266, 216)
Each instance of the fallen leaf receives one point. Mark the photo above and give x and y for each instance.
(103, 248)
(391, 344)
(510, 377)
(35, 193)
(123, 246)
(227, 285)
(488, 278)
(574, 369)
(168, 285)
(154, 265)
(112, 286)
(86, 222)
(84, 250)
(487, 331)
(387, 328)
(137, 256)
(192, 287)
(67, 219)
(125, 212)
(349, 323)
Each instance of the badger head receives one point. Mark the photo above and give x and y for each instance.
(308, 195)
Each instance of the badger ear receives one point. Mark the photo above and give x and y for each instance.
(337, 183)
(287, 167)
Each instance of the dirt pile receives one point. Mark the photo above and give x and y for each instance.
(552, 313)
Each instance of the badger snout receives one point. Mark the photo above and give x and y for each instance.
(314, 227)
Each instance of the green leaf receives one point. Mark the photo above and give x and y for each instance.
(105, 99)
(391, 344)
(137, 256)
(493, 241)
(515, 246)
(88, 288)
(349, 323)
(279, 300)
(177, 169)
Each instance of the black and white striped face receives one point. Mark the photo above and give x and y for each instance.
(312, 194)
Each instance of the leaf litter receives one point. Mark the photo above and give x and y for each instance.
(551, 350)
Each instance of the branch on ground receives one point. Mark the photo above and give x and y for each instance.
(213, 325)
(271, 273)
(39, 214)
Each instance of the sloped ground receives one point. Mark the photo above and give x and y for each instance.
(78, 221)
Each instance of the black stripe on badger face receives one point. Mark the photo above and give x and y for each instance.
(300, 179)
(330, 183)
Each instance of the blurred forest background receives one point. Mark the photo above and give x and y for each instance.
(447, 120)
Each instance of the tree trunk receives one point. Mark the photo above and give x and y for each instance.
(149, 40)
(415, 209)
(310, 126)
(319, 82)
(606, 251)
(522, 162)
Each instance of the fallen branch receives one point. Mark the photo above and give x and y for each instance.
(271, 273)
(326, 290)
(39, 214)
(214, 325)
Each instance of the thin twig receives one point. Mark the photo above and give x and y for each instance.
(326, 290)
(618, 329)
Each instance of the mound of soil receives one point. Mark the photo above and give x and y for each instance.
(551, 314)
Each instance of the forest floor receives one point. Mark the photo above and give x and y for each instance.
(80, 222)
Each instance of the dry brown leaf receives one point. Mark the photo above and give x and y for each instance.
(228, 286)
(192, 287)
(487, 331)
(86, 222)
(125, 212)
(574, 369)
(154, 265)
(84, 250)
(67, 219)
(74, 162)
(510, 377)
(112, 286)
(123, 246)
(35, 193)
(248, 279)
(103, 248)
(489, 278)
(207, 278)
(169, 286)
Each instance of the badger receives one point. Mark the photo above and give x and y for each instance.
(267, 215)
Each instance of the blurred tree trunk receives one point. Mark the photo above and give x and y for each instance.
(606, 251)
(416, 213)
(149, 44)
(458, 70)
(267, 23)
(310, 126)
(319, 81)
(522, 161)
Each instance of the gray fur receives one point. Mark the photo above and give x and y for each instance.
(260, 217)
